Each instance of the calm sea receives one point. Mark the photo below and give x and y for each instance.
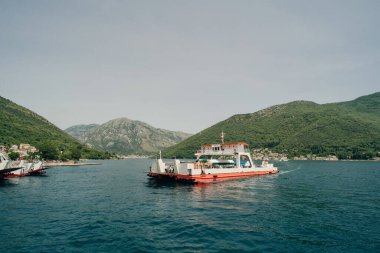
(114, 207)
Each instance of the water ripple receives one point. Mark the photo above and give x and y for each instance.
(308, 207)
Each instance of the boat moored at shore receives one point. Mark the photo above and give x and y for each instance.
(9, 169)
(6, 166)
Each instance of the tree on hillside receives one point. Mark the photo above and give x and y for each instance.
(14, 156)
(48, 151)
(76, 153)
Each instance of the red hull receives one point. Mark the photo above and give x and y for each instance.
(37, 172)
(209, 178)
(13, 175)
(31, 173)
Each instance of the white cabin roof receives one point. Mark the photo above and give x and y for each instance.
(227, 144)
(227, 148)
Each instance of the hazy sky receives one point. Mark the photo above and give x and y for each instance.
(184, 65)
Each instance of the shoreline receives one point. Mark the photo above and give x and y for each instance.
(69, 163)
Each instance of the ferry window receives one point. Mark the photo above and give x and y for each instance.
(245, 162)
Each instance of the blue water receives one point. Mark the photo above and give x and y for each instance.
(114, 207)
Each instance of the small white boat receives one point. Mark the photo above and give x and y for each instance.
(6, 166)
(36, 168)
(9, 169)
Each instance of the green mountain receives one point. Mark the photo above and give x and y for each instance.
(125, 136)
(347, 129)
(20, 125)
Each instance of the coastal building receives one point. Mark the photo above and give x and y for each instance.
(27, 148)
(32, 149)
(24, 146)
(24, 149)
(316, 158)
(266, 154)
(14, 148)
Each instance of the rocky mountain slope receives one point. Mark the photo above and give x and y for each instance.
(126, 136)
(79, 131)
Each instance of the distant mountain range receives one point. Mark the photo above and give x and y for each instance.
(347, 129)
(125, 136)
(20, 125)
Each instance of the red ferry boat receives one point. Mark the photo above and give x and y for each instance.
(214, 162)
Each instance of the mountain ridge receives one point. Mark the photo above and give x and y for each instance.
(125, 136)
(21, 125)
(349, 129)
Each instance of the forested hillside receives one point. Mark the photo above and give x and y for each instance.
(350, 130)
(20, 125)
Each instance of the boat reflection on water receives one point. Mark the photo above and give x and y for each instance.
(242, 189)
(208, 203)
